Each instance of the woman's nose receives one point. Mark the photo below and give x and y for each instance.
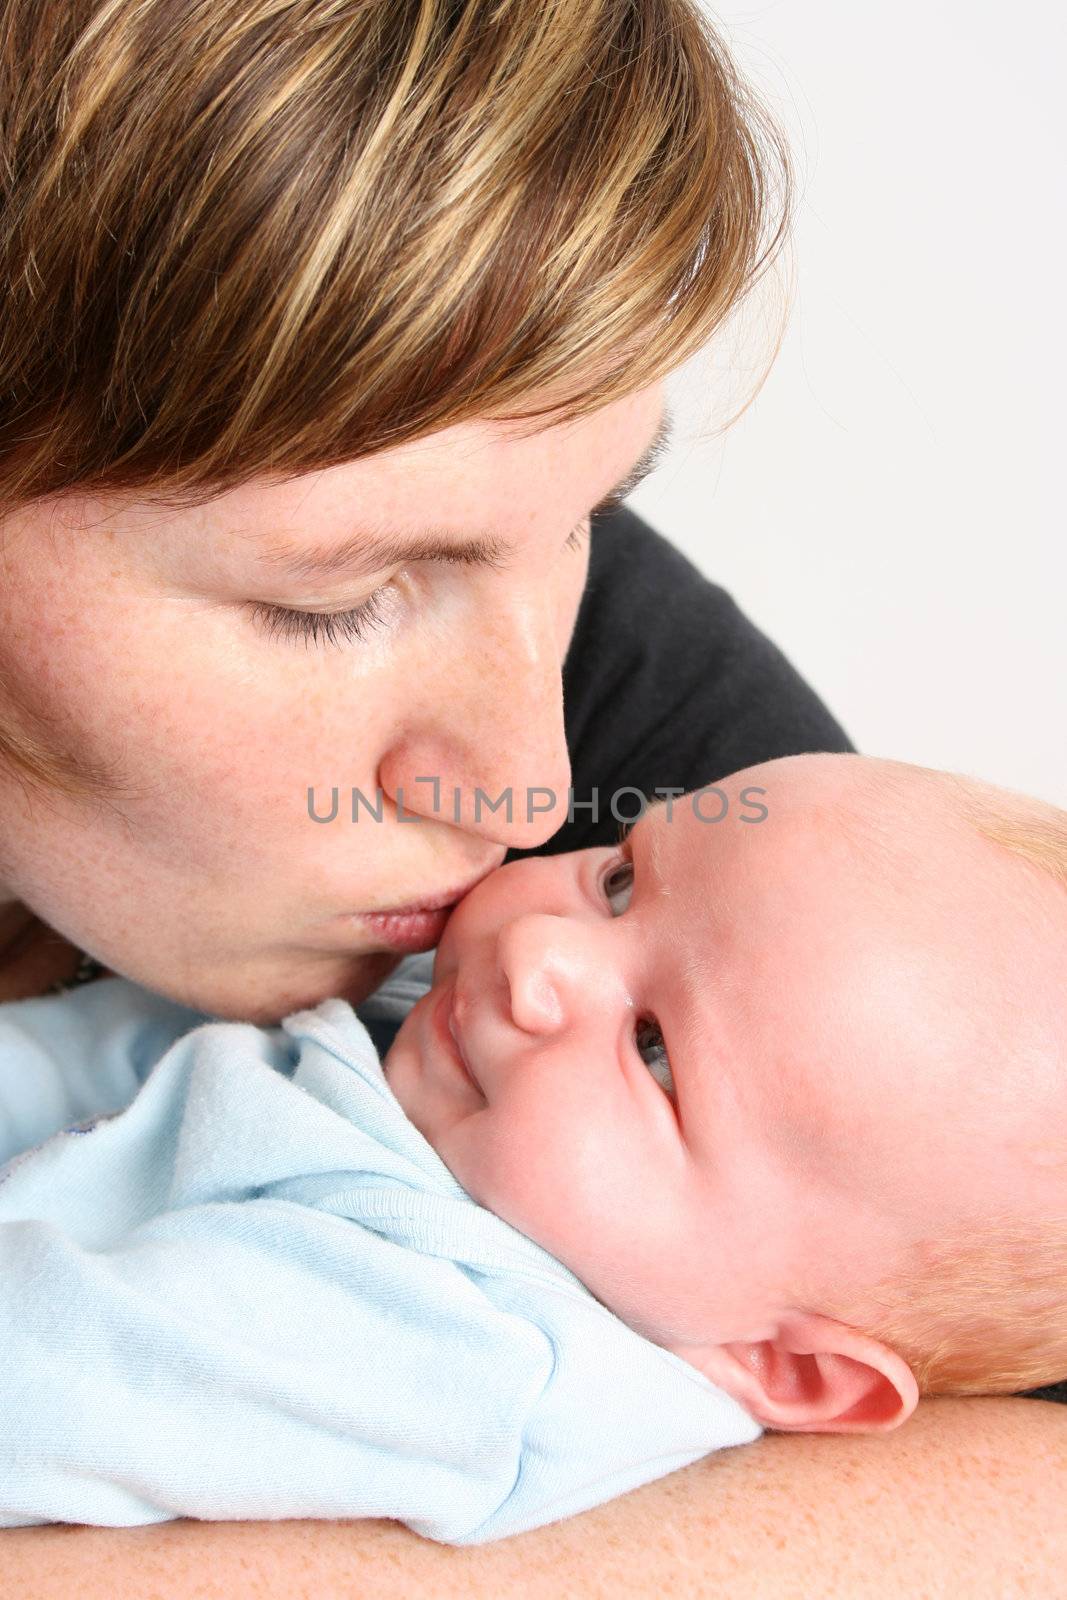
(486, 749)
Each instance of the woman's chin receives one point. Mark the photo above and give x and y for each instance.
(266, 995)
(366, 973)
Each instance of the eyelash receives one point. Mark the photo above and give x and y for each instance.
(647, 1032)
(355, 625)
(323, 627)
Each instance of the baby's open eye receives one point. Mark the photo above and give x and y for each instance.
(617, 884)
(653, 1052)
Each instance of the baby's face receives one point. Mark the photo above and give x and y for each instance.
(829, 1000)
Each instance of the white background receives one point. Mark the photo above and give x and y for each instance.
(890, 507)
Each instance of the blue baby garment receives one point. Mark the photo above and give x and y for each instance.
(236, 1282)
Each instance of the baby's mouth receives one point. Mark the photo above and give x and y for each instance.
(446, 1039)
(453, 1028)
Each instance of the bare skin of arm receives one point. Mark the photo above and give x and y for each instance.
(965, 1501)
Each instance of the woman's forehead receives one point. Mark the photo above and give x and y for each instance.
(467, 495)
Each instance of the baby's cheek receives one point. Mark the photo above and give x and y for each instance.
(512, 1165)
(572, 1194)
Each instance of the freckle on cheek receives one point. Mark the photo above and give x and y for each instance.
(43, 696)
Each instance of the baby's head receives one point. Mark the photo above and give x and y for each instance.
(846, 1182)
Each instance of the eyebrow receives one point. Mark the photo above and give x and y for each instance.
(652, 860)
(366, 553)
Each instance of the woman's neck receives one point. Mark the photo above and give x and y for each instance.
(33, 957)
(14, 917)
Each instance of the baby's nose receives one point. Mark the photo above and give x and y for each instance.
(540, 976)
(535, 1004)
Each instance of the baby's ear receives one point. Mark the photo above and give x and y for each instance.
(814, 1376)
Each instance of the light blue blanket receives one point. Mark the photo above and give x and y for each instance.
(243, 1285)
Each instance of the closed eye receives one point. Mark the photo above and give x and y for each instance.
(358, 622)
(325, 627)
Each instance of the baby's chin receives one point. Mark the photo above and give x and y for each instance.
(406, 1040)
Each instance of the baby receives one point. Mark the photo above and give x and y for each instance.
(756, 1120)
(789, 1064)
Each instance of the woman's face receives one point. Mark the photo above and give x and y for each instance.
(139, 643)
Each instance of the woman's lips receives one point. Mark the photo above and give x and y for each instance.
(418, 926)
(437, 902)
(410, 931)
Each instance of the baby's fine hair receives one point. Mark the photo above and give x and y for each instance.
(984, 1311)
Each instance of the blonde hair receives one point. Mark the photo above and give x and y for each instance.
(983, 1309)
(257, 239)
